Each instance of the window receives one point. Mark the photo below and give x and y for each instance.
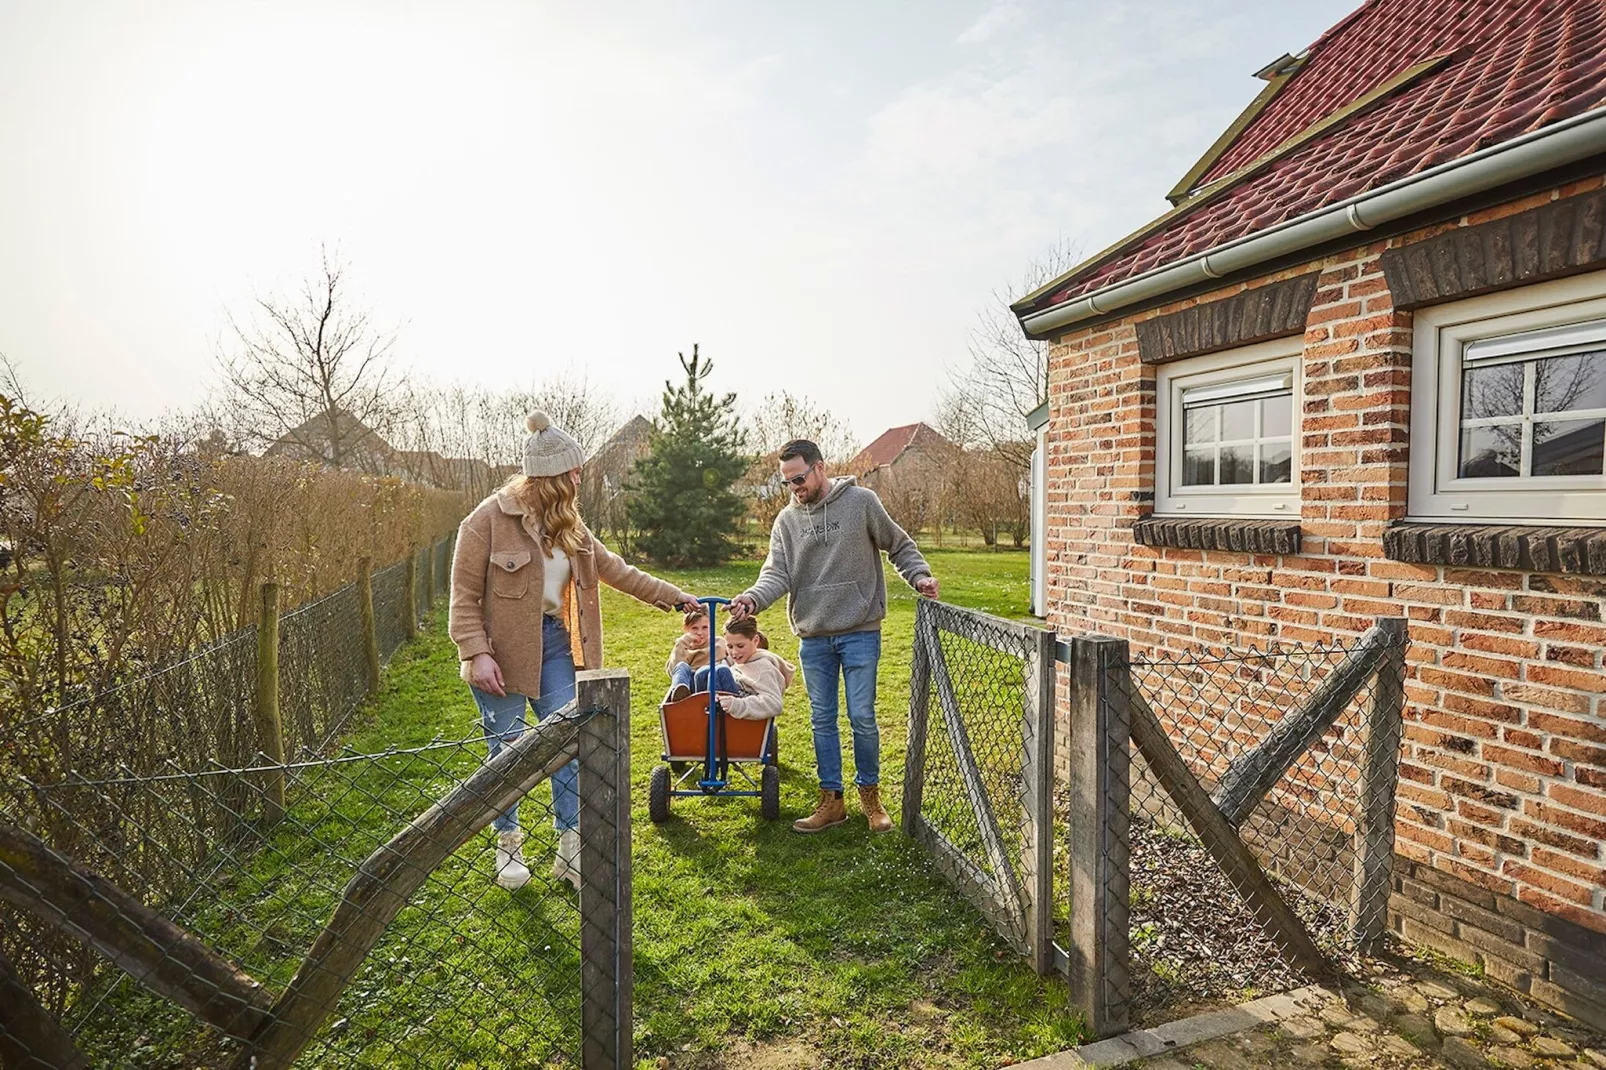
(1226, 437)
(1508, 412)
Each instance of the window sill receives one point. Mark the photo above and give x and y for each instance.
(1580, 551)
(1219, 533)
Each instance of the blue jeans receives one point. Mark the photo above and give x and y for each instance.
(503, 718)
(697, 679)
(853, 658)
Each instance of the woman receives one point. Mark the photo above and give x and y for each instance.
(525, 615)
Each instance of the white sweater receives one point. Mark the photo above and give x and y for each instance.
(763, 680)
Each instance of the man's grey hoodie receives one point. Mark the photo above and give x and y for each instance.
(827, 557)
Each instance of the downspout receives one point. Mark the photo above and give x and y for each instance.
(1541, 150)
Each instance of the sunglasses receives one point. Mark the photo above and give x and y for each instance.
(798, 481)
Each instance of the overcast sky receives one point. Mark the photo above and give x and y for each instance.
(822, 194)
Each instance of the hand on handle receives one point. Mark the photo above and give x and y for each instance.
(742, 607)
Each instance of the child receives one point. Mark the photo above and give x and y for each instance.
(761, 677)
(688, 661)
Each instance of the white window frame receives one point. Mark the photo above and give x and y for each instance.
(1442, 334)
(1271, 501)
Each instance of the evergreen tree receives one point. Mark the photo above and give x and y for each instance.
(683, 505)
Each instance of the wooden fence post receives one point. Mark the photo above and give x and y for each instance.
(606, 971)
(1099, 821)
(914, 762)
(1037, 799)
(410, 596)
(1374, 831)
(270, 729)
(370, 634)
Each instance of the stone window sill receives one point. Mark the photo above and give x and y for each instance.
(1580, 551)
(1219, 533)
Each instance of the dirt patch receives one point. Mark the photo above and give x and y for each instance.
(746, 1055)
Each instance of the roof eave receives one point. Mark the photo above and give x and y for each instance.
(1541, 150)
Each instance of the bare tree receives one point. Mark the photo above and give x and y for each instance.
(1007, 375)
(313, 371)
(777, 420)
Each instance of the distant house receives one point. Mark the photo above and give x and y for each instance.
(913, 451)
(602, 481)
(344, 442)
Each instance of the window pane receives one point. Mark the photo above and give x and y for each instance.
(1199, 425)
(1237, 464)
(1491, 451)
(1569, 448)
(1277, 416)
(1575, 382)
(1495, 391)
(1276, 462)
(1238, 421)
(1199, 468)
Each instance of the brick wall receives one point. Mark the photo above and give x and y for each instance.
(1503, 775)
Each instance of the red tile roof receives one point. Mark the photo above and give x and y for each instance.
(1511, 66)
(891, 445)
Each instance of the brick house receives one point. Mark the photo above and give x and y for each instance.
(1359, 370)
(911, 452)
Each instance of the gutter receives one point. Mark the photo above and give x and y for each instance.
(1556, 145)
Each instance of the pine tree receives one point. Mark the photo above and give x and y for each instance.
(683, 505)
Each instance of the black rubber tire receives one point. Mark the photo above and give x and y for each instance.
(658, 795)
(769, 798)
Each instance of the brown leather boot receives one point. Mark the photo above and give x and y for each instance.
(874, 812)
(831, 811)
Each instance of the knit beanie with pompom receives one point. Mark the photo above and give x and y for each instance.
(549, 451)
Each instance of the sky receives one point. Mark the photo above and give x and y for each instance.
(822, 195)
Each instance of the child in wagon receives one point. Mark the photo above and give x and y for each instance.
(760, 678)
(688, 661)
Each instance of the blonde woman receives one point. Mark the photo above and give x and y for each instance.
(525, 615)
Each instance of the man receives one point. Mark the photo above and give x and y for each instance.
(825, 555)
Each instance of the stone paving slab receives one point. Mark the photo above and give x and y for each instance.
(1407, 1014)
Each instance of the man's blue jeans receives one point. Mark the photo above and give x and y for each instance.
(851, 658)
(697, 679)
(503, 718)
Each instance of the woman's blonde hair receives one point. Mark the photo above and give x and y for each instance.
(554, 501)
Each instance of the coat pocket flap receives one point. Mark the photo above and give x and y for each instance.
(510, 560)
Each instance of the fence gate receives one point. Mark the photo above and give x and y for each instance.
(979, 775)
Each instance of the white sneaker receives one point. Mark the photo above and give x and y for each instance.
(566, 866)
(511, 872)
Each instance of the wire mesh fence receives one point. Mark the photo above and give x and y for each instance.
(171, 917)
(392, 607)
(1270, 867)
(322, 676)
(976, 778)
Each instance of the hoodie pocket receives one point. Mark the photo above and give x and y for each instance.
(510, 573)
(837, 607)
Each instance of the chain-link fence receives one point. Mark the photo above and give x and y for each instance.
(1223, 822)
(976, 779)
(184, 917)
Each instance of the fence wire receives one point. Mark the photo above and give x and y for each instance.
(390, 608)
(1280, 745)
(467, 974)
(322, 672)
(976, 806)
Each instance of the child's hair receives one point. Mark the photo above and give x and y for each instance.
(693, 616)
(747, 628)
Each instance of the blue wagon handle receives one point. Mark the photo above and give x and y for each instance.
(712, 780)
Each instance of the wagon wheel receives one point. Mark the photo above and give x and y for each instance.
(658, 795)
(769, 797)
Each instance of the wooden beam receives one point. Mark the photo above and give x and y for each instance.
(30, 1036)
(1221, 840)
(1037, 802)
(914, 762)
(161, 956)
(607, 1036)
(1097, 834)
(1374, 830)
(392, 873)
(1252, 775)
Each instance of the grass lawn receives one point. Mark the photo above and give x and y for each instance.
(754, 946)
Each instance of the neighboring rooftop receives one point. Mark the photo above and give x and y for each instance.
(892, 444)
(1396, 87)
